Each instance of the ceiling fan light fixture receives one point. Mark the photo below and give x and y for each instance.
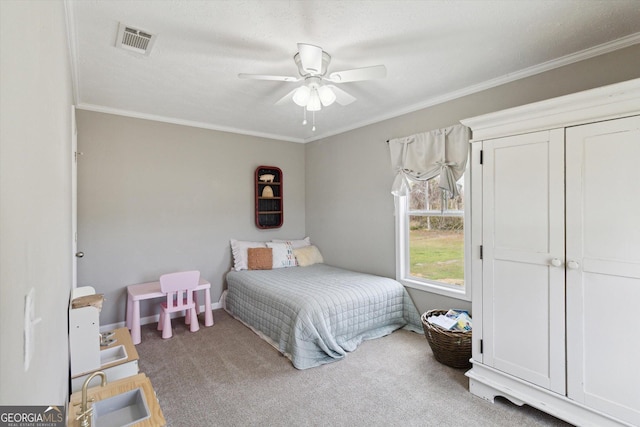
(314, 103)
(301, 96)
(327, 97)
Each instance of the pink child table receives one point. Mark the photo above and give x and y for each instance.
(149, 290)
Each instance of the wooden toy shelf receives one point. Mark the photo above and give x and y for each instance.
(269, 198)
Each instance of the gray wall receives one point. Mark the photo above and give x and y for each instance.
(156, 197)
(349, 208)
(35, 199)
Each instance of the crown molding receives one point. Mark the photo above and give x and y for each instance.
(603, 103)
(182, 122)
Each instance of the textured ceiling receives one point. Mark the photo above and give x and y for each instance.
(433, 51)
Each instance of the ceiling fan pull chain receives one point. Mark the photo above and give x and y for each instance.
(313, 118)
(304, 116)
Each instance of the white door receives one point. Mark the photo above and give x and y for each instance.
(523, 257)
(603, 266)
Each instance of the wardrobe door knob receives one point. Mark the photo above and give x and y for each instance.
(573, 265)
(556, 262)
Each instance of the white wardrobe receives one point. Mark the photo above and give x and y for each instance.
(555, 205)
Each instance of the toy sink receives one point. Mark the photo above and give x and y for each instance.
(121, 410)
(112, 354)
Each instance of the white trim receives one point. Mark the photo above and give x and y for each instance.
(73, 49)
(74, 199)
(402, 250)
(448, 213)
(603, 103)
(153, 319)
(436, 288)
(153, 117)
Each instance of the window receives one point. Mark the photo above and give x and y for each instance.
(431, 235)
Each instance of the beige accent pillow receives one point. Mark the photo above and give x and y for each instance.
(259, 258)
(308, 255)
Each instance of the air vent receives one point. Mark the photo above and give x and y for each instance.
(135, 40)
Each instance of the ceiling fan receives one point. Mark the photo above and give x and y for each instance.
(314, 94)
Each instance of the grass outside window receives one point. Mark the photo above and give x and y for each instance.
(437, 255)
(432, 239)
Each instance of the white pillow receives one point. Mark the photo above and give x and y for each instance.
(239, 251)
(297, 243)
(308, 255)
(282, 254)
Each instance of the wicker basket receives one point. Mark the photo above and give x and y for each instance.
(453, 348)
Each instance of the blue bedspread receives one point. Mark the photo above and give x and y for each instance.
(316, 314)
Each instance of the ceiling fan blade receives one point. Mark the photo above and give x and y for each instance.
(342, 97)
(285, 99)
(268, 77)
(357, 74)
(310, 58)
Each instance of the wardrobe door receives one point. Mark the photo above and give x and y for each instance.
(523, 256)
(603, 266)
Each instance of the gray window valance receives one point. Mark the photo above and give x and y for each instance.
(423, 156)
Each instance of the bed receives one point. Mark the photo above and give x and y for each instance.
(318, 313)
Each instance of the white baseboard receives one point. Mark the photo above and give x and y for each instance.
(152, 319)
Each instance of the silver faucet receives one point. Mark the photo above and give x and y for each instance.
(85, 411)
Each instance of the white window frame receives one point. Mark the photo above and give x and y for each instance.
(402, 250)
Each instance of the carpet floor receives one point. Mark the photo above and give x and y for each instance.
(225, 375)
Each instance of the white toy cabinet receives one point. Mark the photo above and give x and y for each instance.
(556, 268)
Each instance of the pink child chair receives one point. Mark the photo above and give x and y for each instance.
(179, 289)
